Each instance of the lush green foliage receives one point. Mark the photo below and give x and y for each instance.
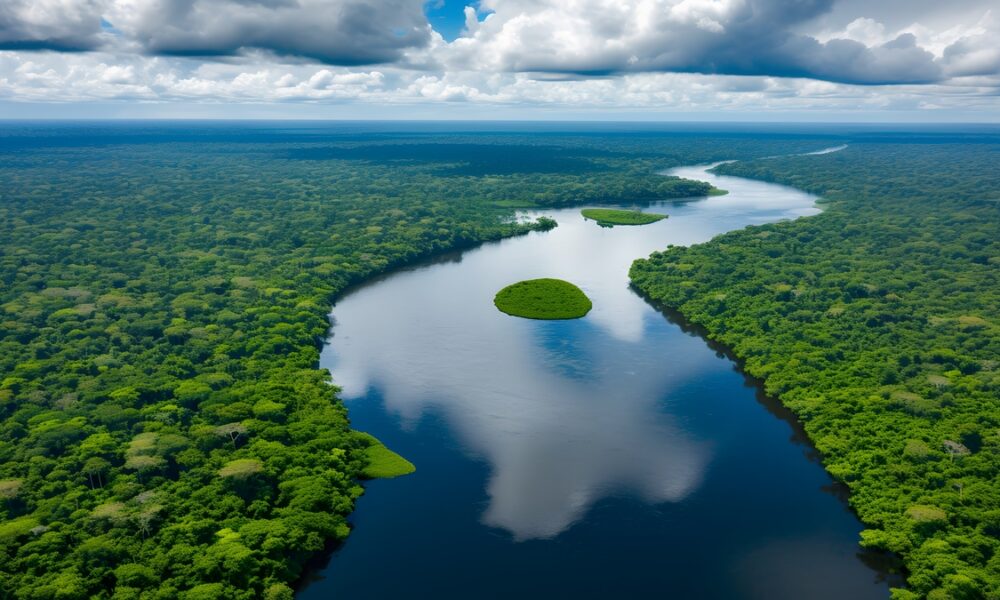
(162, 421)
(543, 299)
(164, 289)
(877, 323)
(384, 463)
(611, 216)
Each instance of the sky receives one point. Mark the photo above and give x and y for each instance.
(630, 60)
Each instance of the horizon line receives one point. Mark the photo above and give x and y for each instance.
(36, 119)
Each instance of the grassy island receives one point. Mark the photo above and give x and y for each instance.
(613, 216)
(383, 463)
(543, 299)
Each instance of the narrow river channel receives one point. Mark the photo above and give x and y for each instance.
(616, 455)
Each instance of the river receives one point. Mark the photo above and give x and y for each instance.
(614, 455)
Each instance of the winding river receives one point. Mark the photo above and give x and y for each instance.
(611, 456)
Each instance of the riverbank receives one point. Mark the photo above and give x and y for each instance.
(531, 437)
(889, 369)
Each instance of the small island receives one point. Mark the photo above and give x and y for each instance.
(382, 462)
(607, 217)
(543, 299)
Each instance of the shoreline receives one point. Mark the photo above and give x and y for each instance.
(885, 566)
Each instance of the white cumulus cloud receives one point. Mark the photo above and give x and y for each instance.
(670, 55)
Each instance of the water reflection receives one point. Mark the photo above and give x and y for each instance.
(564, 413)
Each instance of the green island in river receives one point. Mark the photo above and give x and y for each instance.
(383, 463)
(613, 216)
(543, 299)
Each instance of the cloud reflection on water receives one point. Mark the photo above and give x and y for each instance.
(565, 413)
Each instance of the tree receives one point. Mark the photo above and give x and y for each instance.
(10, 488)
(233, 431)
(242, 468)
(955, 449)
(94, 469)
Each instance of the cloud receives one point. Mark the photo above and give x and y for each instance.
(104, 77)
(551, 39)
(629, 55)
(336, 32)
(974, 51)
(979, 55)
(897, 61)
(728, 37)
(66, 25)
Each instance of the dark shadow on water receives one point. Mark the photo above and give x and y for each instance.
(312, 572)
(675, 202)
(316, 569)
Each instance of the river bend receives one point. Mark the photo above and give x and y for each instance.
(612, 455)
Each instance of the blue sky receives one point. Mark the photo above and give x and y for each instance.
(728, 60)
(447, 17)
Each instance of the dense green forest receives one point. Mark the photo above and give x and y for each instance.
(876, 322)
(164, 291)
(164, 430)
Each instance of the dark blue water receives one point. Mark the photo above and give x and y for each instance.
(612, 455)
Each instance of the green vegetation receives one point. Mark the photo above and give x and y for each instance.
(164, 290)
(384, 463)
(164, 431)
(609, 216)
(543, 299)
(876, 322)
(163, 427)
